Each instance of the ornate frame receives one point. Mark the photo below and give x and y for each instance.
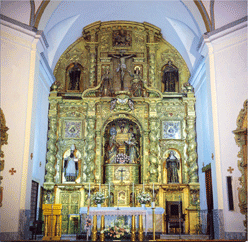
(241, 141)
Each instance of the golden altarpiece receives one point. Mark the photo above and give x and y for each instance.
(122, 115)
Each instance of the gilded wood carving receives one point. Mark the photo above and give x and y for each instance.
(4, 141)
(121, 98)
(241, 140)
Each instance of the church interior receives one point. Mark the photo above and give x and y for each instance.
(123, 119)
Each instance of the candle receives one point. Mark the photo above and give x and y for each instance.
(99, 186)
(153, 192)
(109, 189)
(143, 186)
(89, 189)
(133, 195)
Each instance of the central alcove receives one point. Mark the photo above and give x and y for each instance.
(122, 151)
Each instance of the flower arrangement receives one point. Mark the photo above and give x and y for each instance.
(98, 198)
(143, 198)
(117, 230)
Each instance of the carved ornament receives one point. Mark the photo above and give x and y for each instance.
(4, 141)
(241, 141)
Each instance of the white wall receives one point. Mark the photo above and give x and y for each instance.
(219, 99)
(230, 53)
(21, 95)
(15, 68)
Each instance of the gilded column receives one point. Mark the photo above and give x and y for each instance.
(92, 71)
(241, 141)
(151, 58)
(90, 150)
(51, 144)
(153, 156)
(190, 129)
(151, 46)
(4, 139)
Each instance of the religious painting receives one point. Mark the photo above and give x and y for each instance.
(171, 130)
(122, 198)
(122, 38)
(73, 129)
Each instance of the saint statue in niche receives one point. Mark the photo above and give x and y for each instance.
(74, 74)
(71, 158)
(132, 148)
(113, 146)
(172, 166)
(137, 88)
(122, 142)
(106, 87)
(170, 77)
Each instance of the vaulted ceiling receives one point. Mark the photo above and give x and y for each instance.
(182, 22)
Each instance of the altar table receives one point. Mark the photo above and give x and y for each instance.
(127, 211)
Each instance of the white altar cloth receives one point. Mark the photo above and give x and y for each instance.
(128, 211)
(113, 211)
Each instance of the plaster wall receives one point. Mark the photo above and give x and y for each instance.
(230, 54)
(206, 124)
(226, 12)
(203, 133)
(18, 10)
(22, 96)
(15, 60)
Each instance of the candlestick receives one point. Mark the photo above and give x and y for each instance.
(153, 191)
(133, 194)
(109, 195)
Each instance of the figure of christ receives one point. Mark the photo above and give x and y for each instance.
(122, 66)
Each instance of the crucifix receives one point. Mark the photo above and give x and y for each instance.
(122, 66)
(121, 174)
